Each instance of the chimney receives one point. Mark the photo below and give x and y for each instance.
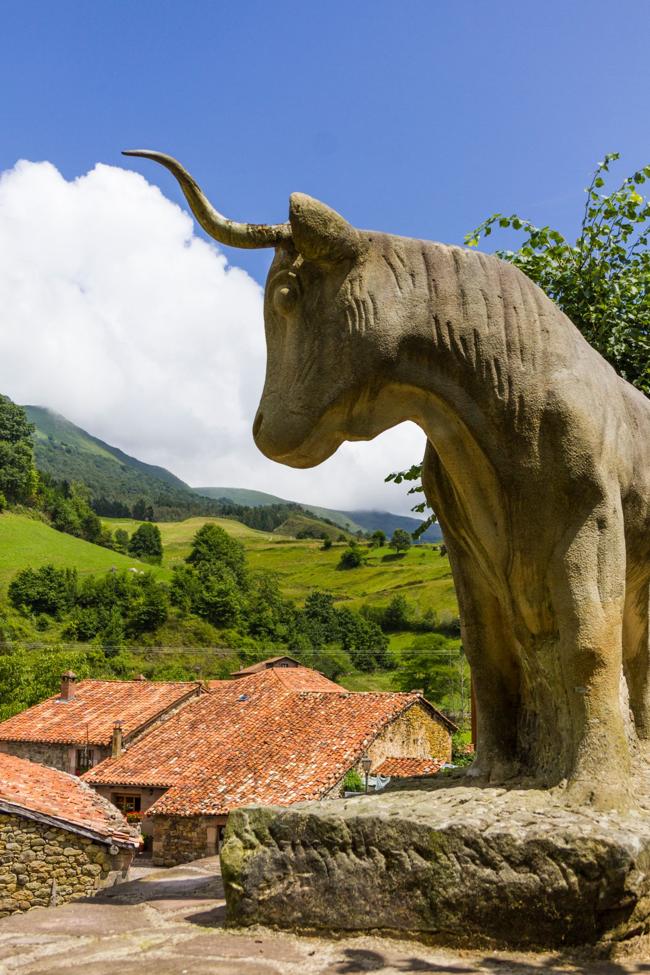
(67, 685)
(116, 744)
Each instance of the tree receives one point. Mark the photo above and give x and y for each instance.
(351, 558)
(147, 605)
(601, 281)
(146, 544)
(397, 615)
(378, 539)
(18, 477)
(142, 511)
(401, 540)
(364, 641)
(327, 542)
(434, 664)
(213, 546)
(210, 591)
(121, 540)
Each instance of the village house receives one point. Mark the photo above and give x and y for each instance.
(279, 735)
(271, 663)
(59, 839)
(92, 719)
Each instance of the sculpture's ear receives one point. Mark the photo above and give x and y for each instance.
(321, 234)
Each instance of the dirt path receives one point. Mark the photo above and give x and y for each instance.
(170, 922)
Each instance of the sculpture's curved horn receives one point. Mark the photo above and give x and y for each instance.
(214, 223)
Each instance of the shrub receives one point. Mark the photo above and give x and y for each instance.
(46, 590)
(351, 558)
(353, 782)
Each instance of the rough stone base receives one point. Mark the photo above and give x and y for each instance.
(460, 865)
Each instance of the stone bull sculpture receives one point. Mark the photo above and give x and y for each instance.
(537, 465)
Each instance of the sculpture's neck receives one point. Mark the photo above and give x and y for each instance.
(470, 330)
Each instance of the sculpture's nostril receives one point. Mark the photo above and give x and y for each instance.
(258, 423)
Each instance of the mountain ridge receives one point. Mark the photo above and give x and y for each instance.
(364, 519)
(117, 480)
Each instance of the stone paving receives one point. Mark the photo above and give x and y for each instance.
(170, 922)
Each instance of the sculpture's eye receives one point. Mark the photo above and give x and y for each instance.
(284, 299)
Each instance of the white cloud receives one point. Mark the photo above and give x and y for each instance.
(116, 315)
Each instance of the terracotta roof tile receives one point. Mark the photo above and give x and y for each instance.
(253, 740)
(300, 679)
(292, 678)
(403, 768)
(26, 787)
(89, 716)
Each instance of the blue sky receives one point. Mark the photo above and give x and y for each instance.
(418, 118)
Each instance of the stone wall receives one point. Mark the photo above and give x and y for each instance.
(416, 733)
(53, 754)
(179, 839)
(42, 865)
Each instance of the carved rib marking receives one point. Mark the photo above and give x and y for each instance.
(374, 317)
(393, 272)
(432, 289)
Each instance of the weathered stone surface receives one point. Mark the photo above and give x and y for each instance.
(461, 864)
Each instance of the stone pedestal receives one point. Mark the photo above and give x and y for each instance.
(459, 865)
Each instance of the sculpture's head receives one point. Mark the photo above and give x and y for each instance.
(325, 349)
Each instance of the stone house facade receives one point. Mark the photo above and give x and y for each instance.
(90, 720)
(276, 736)
(59, 840)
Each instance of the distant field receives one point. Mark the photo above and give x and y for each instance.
(25, 542)
(422, 575)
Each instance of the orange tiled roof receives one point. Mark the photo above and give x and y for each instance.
(299, 679)
(94, 708)
(293, 678)
(404, 768)
(26, 787)
(253, 740)
(268, 664)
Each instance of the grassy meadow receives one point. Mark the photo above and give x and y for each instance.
(27, 542)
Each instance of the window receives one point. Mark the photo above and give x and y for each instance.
(125, 803)
(85, 759)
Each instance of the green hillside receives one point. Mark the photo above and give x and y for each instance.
(66, 452)
(27, 542)
(422, 575)
(56, 436)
